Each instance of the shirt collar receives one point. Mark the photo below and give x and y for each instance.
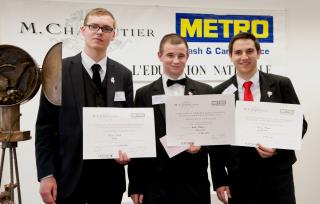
(166, 77)
(254, 79)
(87, 62)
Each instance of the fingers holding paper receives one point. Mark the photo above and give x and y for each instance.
(193, 149)
(265, 152)
(123, 158)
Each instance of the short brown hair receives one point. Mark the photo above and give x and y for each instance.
(244, 35)
(174, 39)
(99, 12)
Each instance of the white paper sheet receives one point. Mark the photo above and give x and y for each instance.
(108, 130)
(201, 119)
(172, 150)
(274, 125)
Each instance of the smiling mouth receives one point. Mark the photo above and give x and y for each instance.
(175, 67)
(244, 63)
(97, 39)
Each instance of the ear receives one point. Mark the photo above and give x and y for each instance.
(259, 53)
(82, 29)
(159, 55)
(113, 35)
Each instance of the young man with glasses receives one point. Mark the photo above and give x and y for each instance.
(89, 79)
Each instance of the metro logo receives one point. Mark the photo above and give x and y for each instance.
(221, 28)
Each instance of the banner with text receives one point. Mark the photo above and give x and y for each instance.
(140, 29)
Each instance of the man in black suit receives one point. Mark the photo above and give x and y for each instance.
(89, 79)
(260, 175)
(183, 178)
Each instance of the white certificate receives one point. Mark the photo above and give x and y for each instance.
(200, 119)
(274, 125)
(106, 131)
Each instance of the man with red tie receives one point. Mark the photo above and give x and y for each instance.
(259, 175)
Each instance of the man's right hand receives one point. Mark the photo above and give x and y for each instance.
(137, 198)
(48, 190)
(223, 194)
(123, 158)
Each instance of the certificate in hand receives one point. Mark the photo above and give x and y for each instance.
(108, 130)
(200, 119)
(274, 125)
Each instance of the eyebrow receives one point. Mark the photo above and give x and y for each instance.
(99, 25)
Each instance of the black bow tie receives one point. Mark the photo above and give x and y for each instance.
(170, 82)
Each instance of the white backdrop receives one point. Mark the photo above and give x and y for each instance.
(140, 29)
(301, 38)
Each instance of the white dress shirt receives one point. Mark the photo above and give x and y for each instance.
(87, 62)
(255, 87)
(175, 89)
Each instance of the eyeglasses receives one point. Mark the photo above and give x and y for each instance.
(96, 28)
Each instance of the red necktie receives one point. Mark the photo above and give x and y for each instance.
(247, 92)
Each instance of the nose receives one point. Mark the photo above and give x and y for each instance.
(244, 56)
(176, 59)
(99, 30)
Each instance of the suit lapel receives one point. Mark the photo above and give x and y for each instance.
(233, 81)
(158, 90)
(76, 76)
(190, 88)
(266, 87)
(111, 74)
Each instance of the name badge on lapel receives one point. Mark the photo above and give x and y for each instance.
(230, 89)
(119, 96)
(159, 99)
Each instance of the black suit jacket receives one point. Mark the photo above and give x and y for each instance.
(58, 139)
(153, 177)
(232, 157)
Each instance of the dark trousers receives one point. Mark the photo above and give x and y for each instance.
(92, 190)
(175, 191)
(262, 185)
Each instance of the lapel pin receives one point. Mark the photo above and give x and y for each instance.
(112, 80)
(269, 93)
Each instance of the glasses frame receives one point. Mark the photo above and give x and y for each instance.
(96, 28)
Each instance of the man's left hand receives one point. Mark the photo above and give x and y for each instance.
(193, 149)
(265, 152)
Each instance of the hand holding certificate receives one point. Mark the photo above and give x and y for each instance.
(106, 131)
(274, 125)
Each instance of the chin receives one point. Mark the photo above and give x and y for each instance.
(99, 47)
